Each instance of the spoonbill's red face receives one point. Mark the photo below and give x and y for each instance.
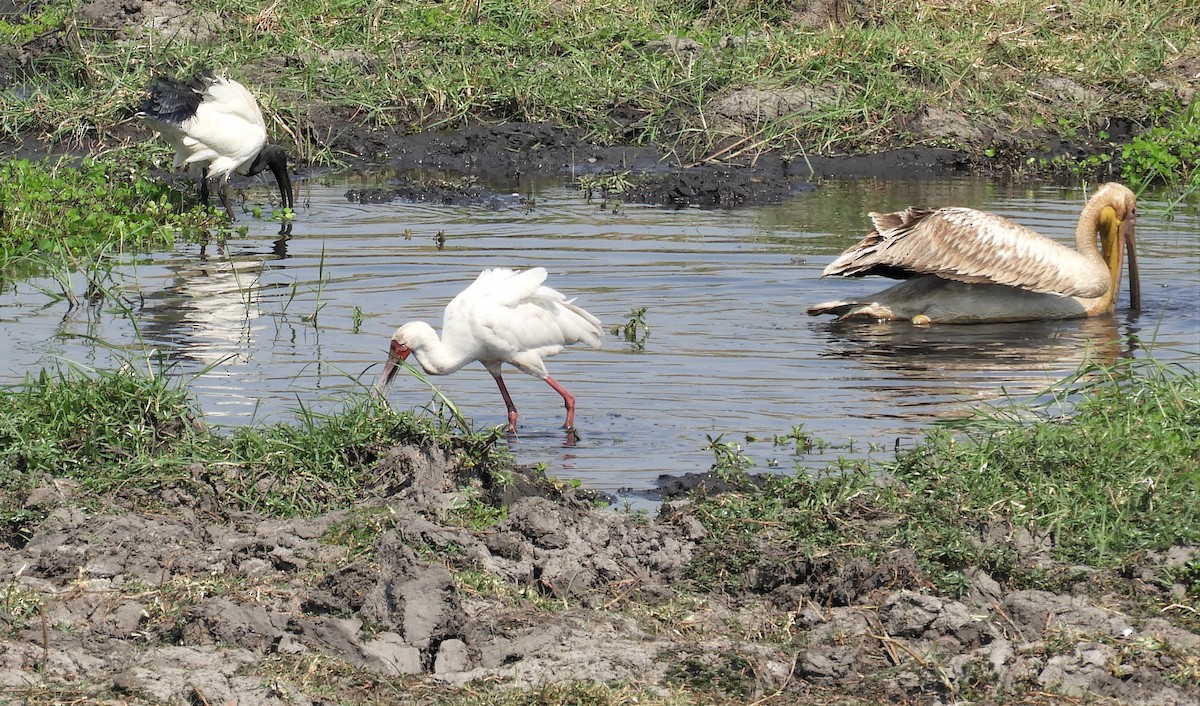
(397, 352)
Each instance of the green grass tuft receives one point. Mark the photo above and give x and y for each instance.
(641, 71)
(1116, 477)
(138, 440)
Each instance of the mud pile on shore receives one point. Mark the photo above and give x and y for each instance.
(190, 605)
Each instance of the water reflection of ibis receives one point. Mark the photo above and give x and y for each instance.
(965, 266)
(208, 310)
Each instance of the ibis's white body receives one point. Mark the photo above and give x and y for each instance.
(224, 135)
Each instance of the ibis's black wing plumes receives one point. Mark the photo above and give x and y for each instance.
(172, 100)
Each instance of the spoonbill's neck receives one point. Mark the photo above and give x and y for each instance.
(436, 356)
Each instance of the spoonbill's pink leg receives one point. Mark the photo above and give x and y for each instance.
(568, 401)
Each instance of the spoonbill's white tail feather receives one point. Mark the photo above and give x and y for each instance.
(579, 325)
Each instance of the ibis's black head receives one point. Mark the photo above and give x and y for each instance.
(273, 157)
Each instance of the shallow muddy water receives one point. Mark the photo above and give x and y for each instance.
(267, 326)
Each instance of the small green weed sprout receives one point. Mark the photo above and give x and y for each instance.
(635, 330)
(730, 462)
(606, 184)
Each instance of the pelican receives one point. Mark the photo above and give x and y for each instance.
(964, 266)
(504, 316)
(215, 122)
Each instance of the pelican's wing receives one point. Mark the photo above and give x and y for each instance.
(969, 246)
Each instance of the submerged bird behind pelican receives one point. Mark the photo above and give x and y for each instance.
(962, 266)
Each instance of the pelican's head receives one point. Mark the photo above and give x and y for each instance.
(1118, 217)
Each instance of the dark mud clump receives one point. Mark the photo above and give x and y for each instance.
(449, 192)
(191, 604)
(508, 153)
(512, 152)
(683, 486)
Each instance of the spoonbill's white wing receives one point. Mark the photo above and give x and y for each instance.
(505, 314)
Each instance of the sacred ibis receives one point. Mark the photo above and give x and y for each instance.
(215, 122)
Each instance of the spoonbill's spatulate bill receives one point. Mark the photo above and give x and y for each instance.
(505, 316)
(215, 122)
(966, 266)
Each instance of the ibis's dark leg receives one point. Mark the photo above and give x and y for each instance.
(223, 192)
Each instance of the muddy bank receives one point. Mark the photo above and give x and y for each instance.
(734, 171)
(728, 163)
(487, 165)
(190, 605)
(503, 154)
